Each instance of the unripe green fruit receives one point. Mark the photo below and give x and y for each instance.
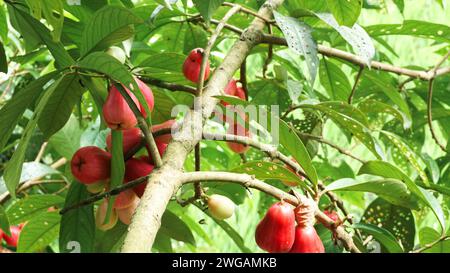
(220, 207)
(96, 187)
(117, 53)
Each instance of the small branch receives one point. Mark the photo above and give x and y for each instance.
(430, 245)
(197, 185)
(435, 70)
(358, 76)
(269, 53)
(167, 85)
(41, 152)
(248, 11)
(243, 77)
(251, 182)
(430, 116)
(210, 44)
(142, 125)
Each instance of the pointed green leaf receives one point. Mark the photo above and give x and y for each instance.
(346, 12)
(207, 8)
(382, 235)
(31, 206)
(39, 232)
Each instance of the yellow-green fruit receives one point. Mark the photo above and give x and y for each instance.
(96, 187)
(220, 207)
(101, 215)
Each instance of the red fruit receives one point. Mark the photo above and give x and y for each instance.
(125, 199)
(91, 164)
(14, 239)
(161, 149)
(117, 113)
(100, 217)
(126, 214)
(240, 93)
(131, 139)
(276, 231)
(134, 169)
(192, 65)
(230, 90)
(307, 240)
(148, 95)
(166, 138)
(1, 236)
(238, 130)
(332, 215)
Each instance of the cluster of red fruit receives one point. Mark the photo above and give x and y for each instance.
(191, 70)
(14, 238)
(277, 232)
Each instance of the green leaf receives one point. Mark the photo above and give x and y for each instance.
(299, 39)
(397, 220)
(334, 81)
(3, 61)
(207, 8)
(64, 98)
(165, 66)
(162, 243)
(108, 26)
(67, 140)
(54, 14)
(31, 206)
(356, 36)
(439, 32)
(39, 232)
(111, 240)
(358, 130)
(268, 170)
(77, 225)
(37, 29)
(3, 25)
(291, 142)
(174, 227)
(428, 235)
(393, 190)
(4, 221)
(13, 110)
(383, 236)
(389, 90)
(385, 169)
(194, 37)
(346, 12)
(375, 106)
(409, 155)
(14, 167)
(117, 167)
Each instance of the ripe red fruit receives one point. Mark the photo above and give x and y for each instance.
(131, 139)
(192, 65)
(126, 214)
(332, 215)
(118, 115)
(91, 164)
(230, 90)
(14, 239)
(220, 207)
(276, 231)
(307, 240)
(238, 130)
(1, 236)
(240, 93)
(166, 138)
(134, 169)
(148, 95)
(125, 199)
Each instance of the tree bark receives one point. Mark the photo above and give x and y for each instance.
(165, 181)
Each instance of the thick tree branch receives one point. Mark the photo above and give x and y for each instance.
(249, 181)
(164, 182)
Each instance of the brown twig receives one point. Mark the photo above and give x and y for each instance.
(167, 85)
(358, 76)
(430, 245)
(269, 53)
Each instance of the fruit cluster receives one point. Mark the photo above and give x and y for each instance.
(278, 233)
(14, 238)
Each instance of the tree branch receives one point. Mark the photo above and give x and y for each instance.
(249, 181)
(167, 85)
(358, 76)
(165, 181)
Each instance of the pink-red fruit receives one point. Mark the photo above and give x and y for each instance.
(238, 130)
(276, 231)
(134, 169)
(220, 207)
(100, 217)
(126, 214)
(148, 95)
(166, 138)
(192, 65)
(116, 112)
(131, 139)
(332, 215)
(125, 199)
(307, 240)
(91, 164)
(15, 233)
